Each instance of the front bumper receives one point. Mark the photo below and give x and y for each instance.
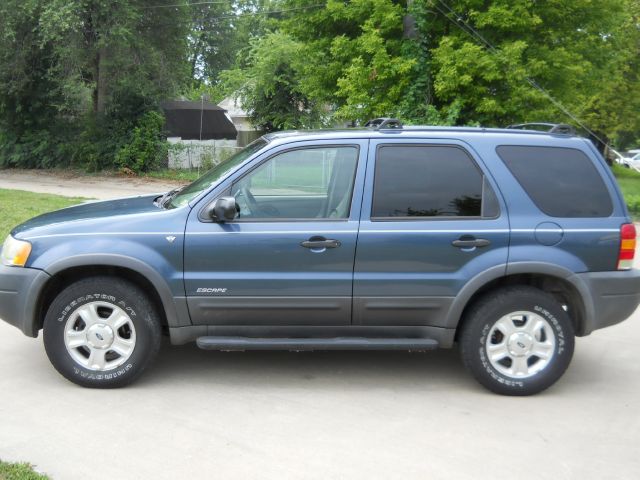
(19, 291)
(614, 297)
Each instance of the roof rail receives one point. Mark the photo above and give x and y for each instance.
(383, 122)
(561, 128)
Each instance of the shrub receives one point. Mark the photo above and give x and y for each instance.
(147, 147)
(36, 149)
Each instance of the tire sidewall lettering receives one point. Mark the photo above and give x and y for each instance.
(108, 375)
(84, 299)
(560, 339)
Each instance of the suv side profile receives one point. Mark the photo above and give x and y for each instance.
(509, 243)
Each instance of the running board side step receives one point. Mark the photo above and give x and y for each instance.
(310, 344)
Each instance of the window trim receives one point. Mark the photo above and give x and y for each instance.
(291, 219)
(528, 195)
(483, 179)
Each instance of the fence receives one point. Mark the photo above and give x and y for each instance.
(199, 154)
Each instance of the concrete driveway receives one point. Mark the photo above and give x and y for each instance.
(326, 415)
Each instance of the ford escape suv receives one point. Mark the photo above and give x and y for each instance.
(508, 242)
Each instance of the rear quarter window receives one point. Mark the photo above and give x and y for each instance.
(562, 182)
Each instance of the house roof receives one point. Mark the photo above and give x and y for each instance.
(233, 107)
(197, 121)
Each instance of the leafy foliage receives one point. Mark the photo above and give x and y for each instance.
(469, 62)
(79, 78)
(76, 76)
(270, 88)
(146, 148)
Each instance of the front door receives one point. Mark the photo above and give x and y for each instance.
(288, 257)
(431, 221)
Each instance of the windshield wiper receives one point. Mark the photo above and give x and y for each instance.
(162, 201)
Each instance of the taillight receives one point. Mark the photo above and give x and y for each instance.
(627, 246)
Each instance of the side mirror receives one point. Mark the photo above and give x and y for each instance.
(224, 209)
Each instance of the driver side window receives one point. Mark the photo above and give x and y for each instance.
(305, 183)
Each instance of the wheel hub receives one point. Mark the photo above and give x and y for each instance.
(519, 344)
(100, 336)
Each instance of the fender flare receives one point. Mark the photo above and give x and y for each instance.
(130, 263)
(502, 271)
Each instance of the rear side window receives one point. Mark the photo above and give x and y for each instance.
(429, 181)
(562, 182)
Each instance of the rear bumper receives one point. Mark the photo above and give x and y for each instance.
(614, 297)
(19, 289)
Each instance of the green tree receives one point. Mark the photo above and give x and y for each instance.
(270, 85)
(76, 75)
(354, 61)
(106, 46)
(220, 39)
(576, 51)
(470, 62)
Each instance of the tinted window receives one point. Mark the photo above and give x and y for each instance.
(562, 182)
(428, 181)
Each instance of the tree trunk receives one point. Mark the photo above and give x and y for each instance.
(100, 87)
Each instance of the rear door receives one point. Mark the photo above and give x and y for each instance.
(288, 258)
(431, 220)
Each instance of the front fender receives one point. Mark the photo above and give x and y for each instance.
(159, 261)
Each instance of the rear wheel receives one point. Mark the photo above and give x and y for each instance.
(517, 341)
(102, 332)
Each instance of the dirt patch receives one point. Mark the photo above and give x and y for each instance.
(77, 184)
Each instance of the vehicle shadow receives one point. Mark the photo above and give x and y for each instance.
(333, 369)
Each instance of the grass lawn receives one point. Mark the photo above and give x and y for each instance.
(629, 181)
(19, 471)
(16, 206)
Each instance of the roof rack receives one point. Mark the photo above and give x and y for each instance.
(561, 128)
(383, 122)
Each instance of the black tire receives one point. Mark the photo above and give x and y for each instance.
(103, 294)
(481, 331)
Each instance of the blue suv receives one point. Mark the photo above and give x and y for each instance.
(508, 242)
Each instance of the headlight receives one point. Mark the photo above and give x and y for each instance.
(15, 253)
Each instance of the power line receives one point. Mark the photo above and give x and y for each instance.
(267, 12)
(474, 33)
(187, 4)
(240, 15)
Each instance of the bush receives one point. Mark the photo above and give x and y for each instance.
(95, 146)
(37, 149)
(147, 147)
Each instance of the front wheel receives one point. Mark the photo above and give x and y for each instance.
(517, 341)
(102, 332)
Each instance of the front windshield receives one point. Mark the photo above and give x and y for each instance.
(216, 173)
